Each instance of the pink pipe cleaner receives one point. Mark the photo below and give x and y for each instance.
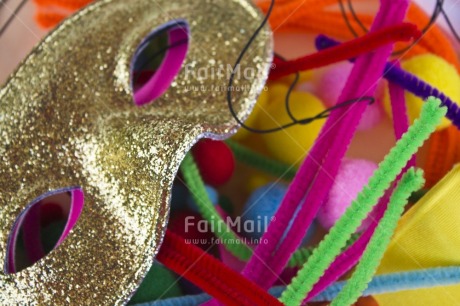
(268, 261)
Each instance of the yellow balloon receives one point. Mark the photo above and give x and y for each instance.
(435, 71)
(292, 144)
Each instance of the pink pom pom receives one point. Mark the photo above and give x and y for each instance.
(330, 82)
(353, 175)
(329, 86)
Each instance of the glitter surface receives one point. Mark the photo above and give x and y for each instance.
(67, 118)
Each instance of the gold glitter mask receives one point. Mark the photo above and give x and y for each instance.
(68, 118)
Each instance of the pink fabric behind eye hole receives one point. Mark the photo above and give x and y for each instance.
(31, 233)
(29, 220)
(76, 207)
(169, 67)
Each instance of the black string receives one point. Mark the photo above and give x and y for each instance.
(295, 121)
(355, 16)
(439, 9)
(290, 89)
(322, 115)
(347, 21)
(434, 16)
(11, 18)
(288, 96)
(449, 24)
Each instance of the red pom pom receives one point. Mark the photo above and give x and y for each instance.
(215, 161)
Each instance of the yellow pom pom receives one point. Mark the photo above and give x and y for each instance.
(292, 144)
(435, 71)
(276, 91)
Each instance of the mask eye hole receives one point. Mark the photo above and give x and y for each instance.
(42, 226)
(158, 60)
